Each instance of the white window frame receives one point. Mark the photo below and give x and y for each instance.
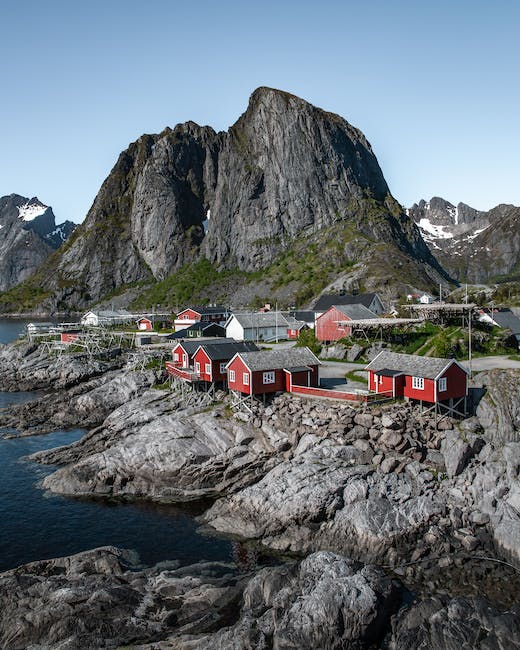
(418, 383)
(208, 369)
(197, 367)
(380, 379)
(175, 356)
(231, 375)
(269, 377)
(442, 385)
(223, 368)
(245, 378)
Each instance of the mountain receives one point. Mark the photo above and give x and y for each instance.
(28, 235)
(474, 246)
(289, 200)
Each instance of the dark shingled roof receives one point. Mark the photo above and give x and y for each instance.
(219, 352)
(409, 364)
(275, 359)
(193, 345)
(329, 299)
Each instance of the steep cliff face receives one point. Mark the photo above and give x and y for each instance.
(28, 235)
(474, 246)
(285, 171)
(286, 167)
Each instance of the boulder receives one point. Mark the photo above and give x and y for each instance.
(457, 449)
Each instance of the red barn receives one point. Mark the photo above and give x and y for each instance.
(330, 326)
(210, 359)
(427, 379)
(270, 371)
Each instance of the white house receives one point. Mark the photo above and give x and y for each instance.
(426, 299)
(106, 317)
(257, 326)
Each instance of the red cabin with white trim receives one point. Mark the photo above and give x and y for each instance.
(144, 324)
(210, 360)
(192, 315)
(269, 371)
(426, 379)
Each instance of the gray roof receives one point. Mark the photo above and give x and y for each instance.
(274, 359)
(329, 299)
(295, 324)
(507, 320)
(355, 312)
(192, 345)
(409, 364)
(261, 319)
(224, 351)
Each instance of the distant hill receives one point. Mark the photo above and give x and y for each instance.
(28, 235)
(290, 200)
(474, 246)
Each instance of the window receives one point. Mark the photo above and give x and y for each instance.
(208, 368)
(443, 384)
(380, 379)
(222, 368)
(175, 356)
(231, 375)
(418, 383)
(197, 367)
(268, 377)
(246, 378)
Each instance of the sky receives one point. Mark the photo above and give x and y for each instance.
(434, 86)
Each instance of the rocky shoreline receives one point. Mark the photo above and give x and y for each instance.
(344, 489)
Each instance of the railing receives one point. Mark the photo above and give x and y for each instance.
(350, 396)
(182, 373)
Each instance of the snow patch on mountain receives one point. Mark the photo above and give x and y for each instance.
(435, 231)
(29, 211)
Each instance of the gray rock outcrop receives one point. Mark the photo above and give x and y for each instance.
(459, 623)
(101, 599)
(326, 601)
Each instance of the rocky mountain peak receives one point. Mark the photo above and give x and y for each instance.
(28, 235)
(473, 245)
(286, 171)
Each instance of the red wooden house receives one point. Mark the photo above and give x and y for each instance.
(270, 371)
(210, 360)
(69, 336)
(144, 324)
(331, 325)
(295, 327)
(426, 379)
(183, 352)
(192, 315)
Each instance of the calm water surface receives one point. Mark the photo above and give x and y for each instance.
(37, 525)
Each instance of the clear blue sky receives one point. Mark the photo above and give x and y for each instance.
(433, 85)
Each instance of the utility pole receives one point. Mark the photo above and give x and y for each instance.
(469, 343)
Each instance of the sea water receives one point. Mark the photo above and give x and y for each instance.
(35, 524)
